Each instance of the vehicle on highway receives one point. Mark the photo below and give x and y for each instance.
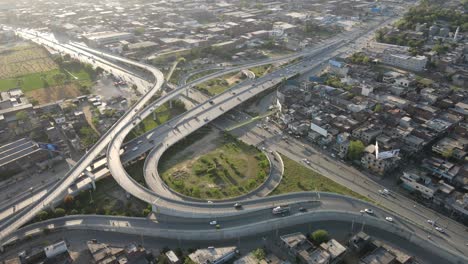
(369, 211)
(211, 102)
(439, 229)
(139, 142)
(214, 222)
(238, 205)
(210, 202)
(388, 218)
(135, 149)
(306, 161)
(384, 192)
(280, 210)
(302, 209)
(431, 222)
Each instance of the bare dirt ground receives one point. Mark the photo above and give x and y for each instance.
(235, 78)
(89, 118)
(52, 94)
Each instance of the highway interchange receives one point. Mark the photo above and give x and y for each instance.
(187, 215)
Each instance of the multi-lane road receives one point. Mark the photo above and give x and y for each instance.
(187, 214)
(62, 185)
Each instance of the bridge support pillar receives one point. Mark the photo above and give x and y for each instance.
(170, 104)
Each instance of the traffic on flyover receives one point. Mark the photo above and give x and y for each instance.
(175, 130)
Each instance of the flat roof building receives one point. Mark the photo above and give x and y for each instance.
(106, 37)
(213, 255)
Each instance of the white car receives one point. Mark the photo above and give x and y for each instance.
(369, 211)
(210, 202)
(134, 149)
(139, 141)
(439, 229)
(384, 192)
(388, 218)
(213, 222)
(431, 222)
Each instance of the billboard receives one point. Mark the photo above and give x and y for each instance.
(318, 129)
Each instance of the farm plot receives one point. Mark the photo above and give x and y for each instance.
(23, 59)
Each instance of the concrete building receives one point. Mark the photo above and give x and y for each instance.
(419, 184)
(172, 257)
(56, 249)
(213, 255)
(97, 39)
(335, 249)
(380, 166)
(295, 243)
(412, 63)
(20, 154)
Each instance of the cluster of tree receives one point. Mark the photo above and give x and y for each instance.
(400, 38)
(430, 12)
(335, 81)
(355, 149)
(319, 236)
(359, 58)
(88, 136)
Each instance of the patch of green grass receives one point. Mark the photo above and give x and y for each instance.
(231, 169)
(217, 85)
(163, 114)
(40, 80)
(261, 70)
(298, 178)
(29, 82)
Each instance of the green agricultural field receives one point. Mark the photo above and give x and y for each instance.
(215, 166)
(30, 68)
(298, 178)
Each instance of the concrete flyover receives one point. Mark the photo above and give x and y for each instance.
(139, 226)
(189, 122)
(185, 217)
(61, 186)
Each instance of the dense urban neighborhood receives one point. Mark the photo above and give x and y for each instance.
(211, 132)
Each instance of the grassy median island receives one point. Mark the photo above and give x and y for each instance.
(298, 178)
(261, 70)
(218, 85)
(213, 165)
(163, 114)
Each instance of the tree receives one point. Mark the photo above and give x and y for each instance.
(59, 212)
(22, 116)
(59, 78)
(378, 108)
(188, 260)
(447, 154)
(319, 236)
(355, 149)
(43, 215)
(259, 254)
(99, 70)
(68, 200)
